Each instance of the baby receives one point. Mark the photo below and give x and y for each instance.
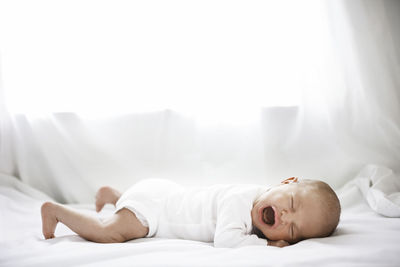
(228, 215)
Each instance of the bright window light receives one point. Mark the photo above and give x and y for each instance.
(203, 58)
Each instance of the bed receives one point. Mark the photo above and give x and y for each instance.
(364, 237)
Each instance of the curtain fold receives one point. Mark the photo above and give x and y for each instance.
(345, 70)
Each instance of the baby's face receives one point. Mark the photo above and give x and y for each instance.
(289, 212)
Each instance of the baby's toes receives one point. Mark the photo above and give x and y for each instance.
(102, 197)
(99, 205)
(103, 193)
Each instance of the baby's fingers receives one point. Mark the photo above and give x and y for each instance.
(279, 243)
(282, 243)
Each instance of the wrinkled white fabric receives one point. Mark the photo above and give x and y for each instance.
(380, 187)
(12, 182)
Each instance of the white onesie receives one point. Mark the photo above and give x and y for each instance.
(219, 213)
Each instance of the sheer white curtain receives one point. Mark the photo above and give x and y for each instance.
(350, 108)
(101, 92)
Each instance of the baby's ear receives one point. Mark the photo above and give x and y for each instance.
(290, 180)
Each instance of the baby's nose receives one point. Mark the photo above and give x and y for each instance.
(285, 217)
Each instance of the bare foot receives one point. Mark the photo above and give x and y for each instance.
(106, 195)
(49, 219)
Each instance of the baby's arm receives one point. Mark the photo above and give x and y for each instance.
(231, 227)
(233, 236)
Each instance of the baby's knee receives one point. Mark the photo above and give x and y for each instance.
(121, 227)
(110, 234)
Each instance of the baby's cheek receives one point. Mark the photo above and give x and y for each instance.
(275, 234)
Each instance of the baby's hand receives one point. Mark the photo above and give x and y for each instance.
(279, 243)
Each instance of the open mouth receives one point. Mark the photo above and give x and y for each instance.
(268, 216)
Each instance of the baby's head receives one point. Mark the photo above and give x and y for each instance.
(296, 210)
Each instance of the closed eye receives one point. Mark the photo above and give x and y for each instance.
(291, 201)
(292, 225)
(291, 233)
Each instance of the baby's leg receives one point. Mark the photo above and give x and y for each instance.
(106, 195)
(121, 227)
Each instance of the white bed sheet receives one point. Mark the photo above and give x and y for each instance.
(363, 238)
